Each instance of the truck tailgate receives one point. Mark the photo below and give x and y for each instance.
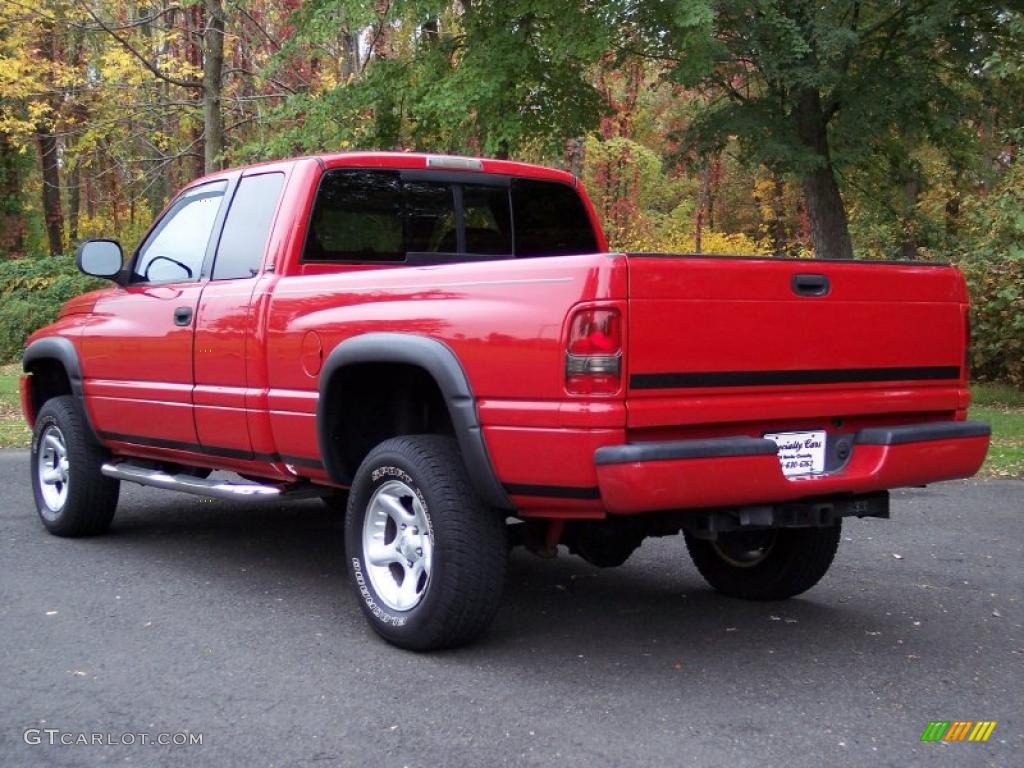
(709, 337)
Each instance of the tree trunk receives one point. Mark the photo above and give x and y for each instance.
(74, 202)
(349, 55)
(908, 248)
(830, 234)
(780, 240)
(574, 156)
(952, 207)
(52, 215)
(72, 150)
(12, 219)
(213, 70)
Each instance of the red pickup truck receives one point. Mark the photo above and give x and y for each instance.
(447, 343)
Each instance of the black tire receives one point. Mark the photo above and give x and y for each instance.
(87, 499)
(461, 591)
(782, 563)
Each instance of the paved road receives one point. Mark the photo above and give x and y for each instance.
(236, 623)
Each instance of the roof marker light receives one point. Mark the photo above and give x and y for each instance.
(454, 163)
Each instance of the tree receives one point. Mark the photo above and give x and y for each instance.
(809, 86)
(209, 85)
(12, 221)
(472, 76)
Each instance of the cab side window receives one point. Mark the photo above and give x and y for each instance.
(247, 226)
(175, 249)
(358, 217)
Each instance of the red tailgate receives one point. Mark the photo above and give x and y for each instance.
(710, 337)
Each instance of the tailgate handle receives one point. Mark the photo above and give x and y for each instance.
(810, 285)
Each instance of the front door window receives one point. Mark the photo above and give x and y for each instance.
(175, 249)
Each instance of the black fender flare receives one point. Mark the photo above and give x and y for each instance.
(63, 351)
(440, 362)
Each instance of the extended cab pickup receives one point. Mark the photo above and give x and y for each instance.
(447, 343)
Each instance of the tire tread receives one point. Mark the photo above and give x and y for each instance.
(467, 533)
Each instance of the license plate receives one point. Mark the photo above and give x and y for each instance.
(800, 453)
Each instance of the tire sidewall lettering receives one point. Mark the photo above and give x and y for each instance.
(386, 616)
(379, 611)
(37, 434)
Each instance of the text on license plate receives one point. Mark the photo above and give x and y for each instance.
(800, 453)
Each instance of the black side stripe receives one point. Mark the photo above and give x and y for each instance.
(776, 378)
(552, 491)
(212, 450)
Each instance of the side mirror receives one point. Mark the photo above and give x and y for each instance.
(100, 258)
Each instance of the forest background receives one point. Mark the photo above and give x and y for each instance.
(848, 129)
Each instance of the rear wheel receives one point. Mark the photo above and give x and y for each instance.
(426, 557)
(765, 565)
(72, 496)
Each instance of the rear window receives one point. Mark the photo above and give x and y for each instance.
(368, 216)
(485, 213)
(550, 220)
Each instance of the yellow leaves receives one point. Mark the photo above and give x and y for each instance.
(675, 234)
(40, 113)
(118, 65)
(676, 239)
(329, 80)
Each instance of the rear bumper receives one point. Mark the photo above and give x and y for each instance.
(731, 471)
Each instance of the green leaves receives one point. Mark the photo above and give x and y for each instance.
(490, 78)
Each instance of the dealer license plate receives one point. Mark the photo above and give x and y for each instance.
(800, 453)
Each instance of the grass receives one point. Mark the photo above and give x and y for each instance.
(997, 396)
(13, 430)
(1000, 405)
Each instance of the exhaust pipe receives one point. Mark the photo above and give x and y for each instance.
(199, 486)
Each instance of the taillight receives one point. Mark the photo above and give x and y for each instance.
(593, 360)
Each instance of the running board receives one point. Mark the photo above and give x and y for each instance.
(199, 486)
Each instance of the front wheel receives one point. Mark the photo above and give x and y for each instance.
(426, 557)
(765, 565)
(72, 496)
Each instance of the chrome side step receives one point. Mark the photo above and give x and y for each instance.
(198, 486)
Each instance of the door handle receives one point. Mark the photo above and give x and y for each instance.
(183, 316)
(810, 285)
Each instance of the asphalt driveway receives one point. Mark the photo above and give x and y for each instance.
(236, 624)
